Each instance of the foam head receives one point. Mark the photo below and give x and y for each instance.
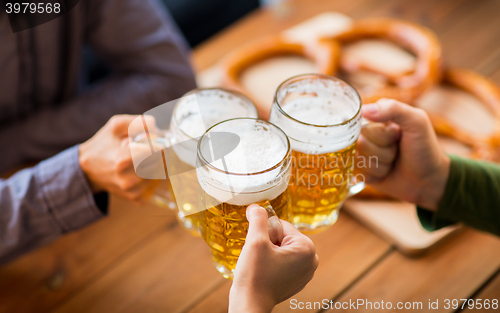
(257, 169)
(201, 109)
(320, 114)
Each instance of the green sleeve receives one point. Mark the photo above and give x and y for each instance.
(471, 197)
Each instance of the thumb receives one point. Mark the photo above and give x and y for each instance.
(257, 223)
(389, 110)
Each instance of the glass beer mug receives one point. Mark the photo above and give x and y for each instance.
(240, 161)
(322, 117)
(193, 114)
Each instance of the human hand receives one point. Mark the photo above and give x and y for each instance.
(412, 166)
(267, 274)
(107, 162)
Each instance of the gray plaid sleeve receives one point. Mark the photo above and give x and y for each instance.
(39, 204)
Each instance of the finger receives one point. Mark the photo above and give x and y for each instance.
(389, 110)
(257, 223)
(381, 134)
(121, 123)
(289, 229)
(373, 154)
(141, 193)
(292, 236)
(275, 230)
(137, 124)
(373, 174)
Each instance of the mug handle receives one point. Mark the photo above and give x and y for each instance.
(160, 137)
(164, 139)
(274, 226)
(357, 187)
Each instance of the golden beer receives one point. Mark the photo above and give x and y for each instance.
(186, 198)
(193, 114)
(319, 185)
(321, 116)
(255, 170)
(224, 227)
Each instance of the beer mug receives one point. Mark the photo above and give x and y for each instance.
(193, 114)
(322, 117)
(252, 166)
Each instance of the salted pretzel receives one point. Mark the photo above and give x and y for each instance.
(416, 39)
(324, 55)
(483, 147)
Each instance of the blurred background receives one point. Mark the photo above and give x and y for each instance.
(211, 15)
(142, 260)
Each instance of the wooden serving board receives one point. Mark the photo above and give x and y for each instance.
(395, 221)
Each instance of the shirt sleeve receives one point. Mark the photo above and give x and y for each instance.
(471, 197)
(39, 204)
(150, 67)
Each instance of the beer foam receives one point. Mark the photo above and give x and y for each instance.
(319, 111)
(198, 112)
(259, 149)
(328, 107)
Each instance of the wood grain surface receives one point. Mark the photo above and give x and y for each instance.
(140, 260)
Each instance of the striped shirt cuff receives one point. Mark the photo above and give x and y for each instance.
(66, 191)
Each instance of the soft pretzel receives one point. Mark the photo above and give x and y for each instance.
(417, 39)
(323, 53)
(484, 147)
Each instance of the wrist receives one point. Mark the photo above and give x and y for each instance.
(84, 162)
(435, 186)
(249, 302)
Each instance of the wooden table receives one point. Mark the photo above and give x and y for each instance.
(140, 260)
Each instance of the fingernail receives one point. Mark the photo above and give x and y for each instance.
(252, 207)
(371, 109)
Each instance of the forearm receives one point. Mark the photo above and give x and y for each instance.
(240, 302)
(471, 196)
(39, 204)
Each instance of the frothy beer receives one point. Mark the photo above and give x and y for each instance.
(256, 171)
(321, 117)
(193, 115)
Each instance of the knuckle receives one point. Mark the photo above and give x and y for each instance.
(114, 120)
(127, 185)
(390, 103)
(315, 262)
(150, 120)
(121, 164)
(259, 242)
(420, 114)
(309, 250)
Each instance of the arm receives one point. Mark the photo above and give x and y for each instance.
(413, 167)
(137, 38)
(39, 204)
(471, 196)
(68, 191)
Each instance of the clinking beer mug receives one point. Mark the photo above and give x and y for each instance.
(322, 117)
(174, 150)
(240, 162)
